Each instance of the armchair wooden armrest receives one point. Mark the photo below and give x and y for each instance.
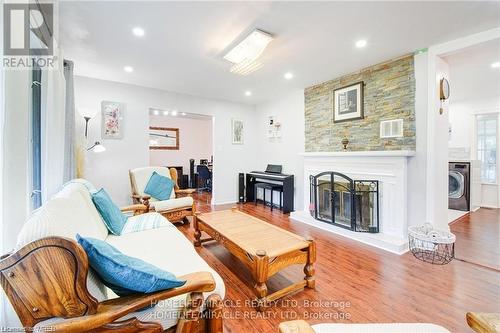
(295, 326)
(141, 199)
(184, 192)
(113, 309)
(483, 322)
(136, 209)
(60, 291)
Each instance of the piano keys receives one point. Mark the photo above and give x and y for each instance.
(287, 181)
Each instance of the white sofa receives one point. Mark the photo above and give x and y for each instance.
(71, 211)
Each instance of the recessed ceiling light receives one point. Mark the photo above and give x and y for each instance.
(184, 113)
(156, 112)
(361, 43)
(138, 31)
(128, 69)
(495, 65)
(165, 113)
(174, 113)
(288, 75)
(248, 93)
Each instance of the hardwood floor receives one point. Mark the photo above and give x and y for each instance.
(478, 237)
(367, 284)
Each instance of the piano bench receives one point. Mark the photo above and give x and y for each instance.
(272, 188)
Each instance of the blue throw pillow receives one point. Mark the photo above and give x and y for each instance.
(123, 274)
(110, 213)
(159, 187)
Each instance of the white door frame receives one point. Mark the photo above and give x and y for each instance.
(436, 214)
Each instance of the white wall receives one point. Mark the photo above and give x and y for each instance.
(289, 111)
(110, 169)
(437, 148)
(417, 165)
(462, 125)
(195, 141)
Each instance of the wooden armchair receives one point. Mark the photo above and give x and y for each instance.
(177, 208)
(47, 279)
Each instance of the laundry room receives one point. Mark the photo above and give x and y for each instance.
(474, 106)
(470, 94)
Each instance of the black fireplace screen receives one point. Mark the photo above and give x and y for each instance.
(344, 202)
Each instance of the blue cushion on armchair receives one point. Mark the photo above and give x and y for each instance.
(123, 274)
(110, 213)
(159, 187)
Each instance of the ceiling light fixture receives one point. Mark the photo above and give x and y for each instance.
(138, 31)
(244, 55)
(495, 65)
(165, 113)
(174, 113)
(288, 76)
(128, 69)
(248, 93)
(361, 43)
(156, 112)
(184, 113)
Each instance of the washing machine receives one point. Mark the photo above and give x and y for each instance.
(459, 186)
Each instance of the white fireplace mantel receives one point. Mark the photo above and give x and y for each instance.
(376, 153)
(390, 168)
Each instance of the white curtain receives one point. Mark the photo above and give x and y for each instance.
(53, 129)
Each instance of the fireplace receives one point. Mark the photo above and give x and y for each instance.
(344, 202)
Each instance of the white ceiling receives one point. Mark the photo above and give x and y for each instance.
(185, 41)
(473, 82)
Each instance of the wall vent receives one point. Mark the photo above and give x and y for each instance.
(391, 128)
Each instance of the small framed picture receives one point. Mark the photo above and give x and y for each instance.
(237, 131)
(112, 120)
(348, 103)
(163, 138)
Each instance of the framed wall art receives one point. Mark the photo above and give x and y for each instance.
(348, 103)
(237, 131)
(112, 120)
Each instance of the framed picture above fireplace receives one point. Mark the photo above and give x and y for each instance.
(348, 103)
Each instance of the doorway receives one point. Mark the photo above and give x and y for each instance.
(183, 141)
(474, 114)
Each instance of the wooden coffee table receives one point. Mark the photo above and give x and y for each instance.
(264, 248)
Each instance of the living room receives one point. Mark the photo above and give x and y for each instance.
(325, 208)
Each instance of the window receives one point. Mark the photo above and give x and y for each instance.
(36, 138)
(487, 147)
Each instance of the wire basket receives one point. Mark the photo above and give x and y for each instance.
(430, 245)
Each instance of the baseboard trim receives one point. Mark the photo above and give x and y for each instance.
(382, 241)
(224, 203)
(488, 206)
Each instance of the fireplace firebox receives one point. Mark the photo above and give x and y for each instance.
(344, 202)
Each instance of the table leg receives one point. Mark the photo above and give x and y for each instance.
(260, 275)
(197, 232)
(309, 268)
